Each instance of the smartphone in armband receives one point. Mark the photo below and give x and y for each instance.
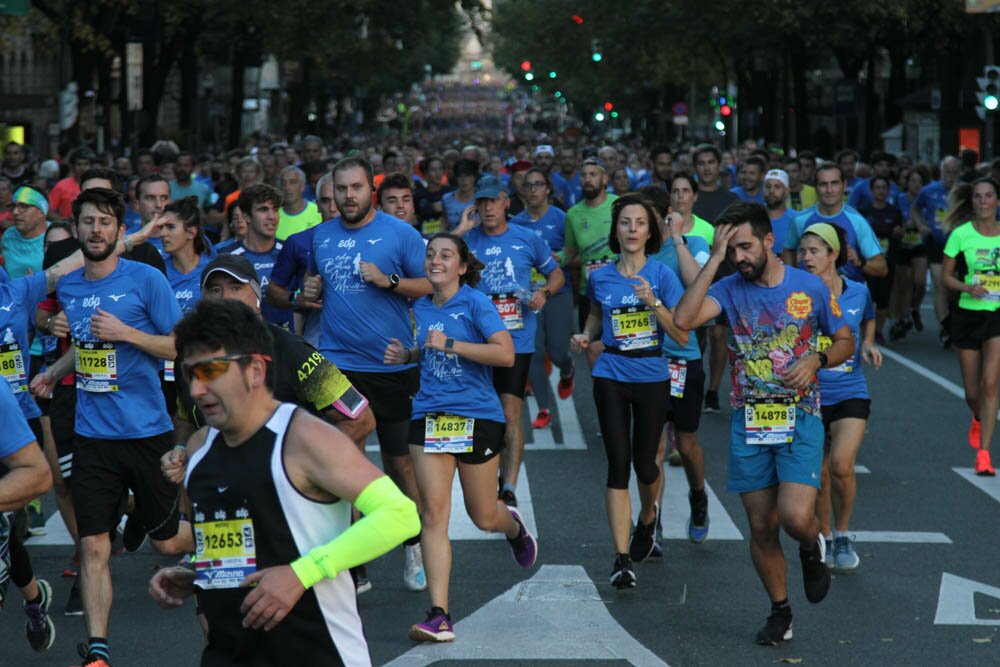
(351, 404)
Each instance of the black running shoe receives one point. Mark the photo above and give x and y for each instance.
(642, 542)
(815, 573)
(622, 575)
(777, 629)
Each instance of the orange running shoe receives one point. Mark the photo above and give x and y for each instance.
(974, 433)
(983, 465)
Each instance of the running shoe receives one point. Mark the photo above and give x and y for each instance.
(91, 659)
(436, 628)
(815, 573)
(622, 575)
(543, 419)
(642, 542)
(845, 558)
(983, 465)
(565, 387)
(658, 536)
(918, 321)
(777, 629)
(508, 498)
(414, 577)
(524, 546)
(362, 584)
(712, 401)
(39, 629)
(698, 522)
(74, 604)
(36, 519)
(674, 459)
(974, 429)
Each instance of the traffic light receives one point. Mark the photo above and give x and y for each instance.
(595, 51)
(989, 91)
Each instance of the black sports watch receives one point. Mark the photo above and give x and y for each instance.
(393, 281)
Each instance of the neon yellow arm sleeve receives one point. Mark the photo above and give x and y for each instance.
(389, 518)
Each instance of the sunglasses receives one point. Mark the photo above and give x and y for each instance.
(207, 370)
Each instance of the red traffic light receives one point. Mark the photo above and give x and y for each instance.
(526, 65)
(726, 110)
(608, 106)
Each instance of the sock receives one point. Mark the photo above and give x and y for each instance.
(413, 541)
(98, 646)
(509, 487)
(780, 605)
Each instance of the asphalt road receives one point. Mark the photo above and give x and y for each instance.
(927, 591)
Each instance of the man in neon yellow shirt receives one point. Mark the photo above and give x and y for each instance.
(297, 214)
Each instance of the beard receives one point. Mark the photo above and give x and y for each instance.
(98, 256)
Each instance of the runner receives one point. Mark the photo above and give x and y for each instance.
(287, 481)
(975, 326)
(630, 311)
(775, 314)
(844, 399)
(512, 254)
(458, 422)
(555, 321)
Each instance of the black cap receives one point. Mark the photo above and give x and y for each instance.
(237, 267)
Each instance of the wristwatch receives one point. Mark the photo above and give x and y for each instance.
(393, 281)
(822, 359)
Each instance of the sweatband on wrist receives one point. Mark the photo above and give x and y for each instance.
(389, 518)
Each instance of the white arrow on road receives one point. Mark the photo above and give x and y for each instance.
(957, 601)
(555, 615)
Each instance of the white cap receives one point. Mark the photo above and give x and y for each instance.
(778, 175)
(544, 148)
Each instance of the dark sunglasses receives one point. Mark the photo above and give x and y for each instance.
(207, 370)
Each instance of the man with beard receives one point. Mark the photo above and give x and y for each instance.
(776, 198)
(120, 315)
(776, 314)
(184, 185)
(566, 181)
(588, 227)
(366, 266)
(260, 204)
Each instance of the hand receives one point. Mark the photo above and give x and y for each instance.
(395, 353)
(42, 385)
(435, 340)
(277, 592)
(58, 325)
(108, 328)
(643, 291)
(852, 257)
(720, 245)
(170, 585)
(675, 225)
(372, 274)
(538, 300)
(174, 464)
(872, 355)
(579, 342)
(312, 290)
(802, 372)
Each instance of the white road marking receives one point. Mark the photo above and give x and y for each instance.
(676, 508)
(957, 601)
(556, 615)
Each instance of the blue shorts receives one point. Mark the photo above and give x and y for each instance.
(756, 467)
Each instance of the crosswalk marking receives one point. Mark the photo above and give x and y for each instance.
(676, 508)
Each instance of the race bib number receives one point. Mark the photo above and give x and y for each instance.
(911, 239)
(96, 367)
(991, 283)
(634, 327)
(448, 434)
(509, 307)
(12, 367)
(769, 421)
(225, 554)
(168, 371)
(593, 265)
(823, 344)
(678, 377)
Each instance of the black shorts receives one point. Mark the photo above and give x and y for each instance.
(685, 410)
(851, 408)
(487, 440)
(389, 394)
(104, 471)
(513, 380)
(970, 328)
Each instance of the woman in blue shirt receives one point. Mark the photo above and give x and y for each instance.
(844, 399)
(631, 309)
(457, 420)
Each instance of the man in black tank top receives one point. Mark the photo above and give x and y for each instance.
(271, 488)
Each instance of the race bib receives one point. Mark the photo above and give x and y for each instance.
(990, 283)
(911, 239)
(448, 434)
(12, 367)
(224, 548)
(593, 265)
(96, 367)
(634, 327)
(823, 344)
(509, 307)
(678, 377)
(769, 421)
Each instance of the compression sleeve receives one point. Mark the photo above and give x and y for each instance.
(389, 518)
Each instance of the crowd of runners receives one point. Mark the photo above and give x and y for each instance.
(196, 349)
